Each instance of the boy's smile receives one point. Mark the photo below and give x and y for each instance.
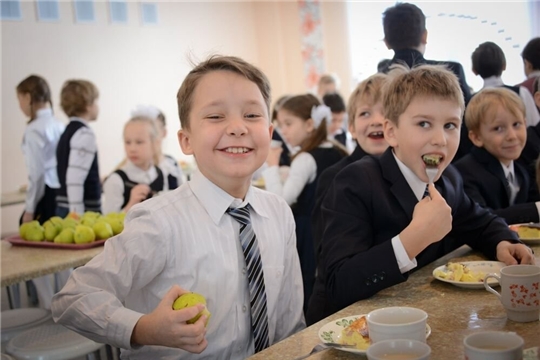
(229, 132)
(503, 136)
(429, 126)
(368, 128)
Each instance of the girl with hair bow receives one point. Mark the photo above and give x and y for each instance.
(303, 123)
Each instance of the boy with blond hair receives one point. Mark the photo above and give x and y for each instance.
(379, 226)
(495, 118)
(76, 154)
(366, 120)
(215, 235)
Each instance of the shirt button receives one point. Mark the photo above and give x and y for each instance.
(244, 308)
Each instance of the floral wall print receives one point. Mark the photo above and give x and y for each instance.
(312, 44)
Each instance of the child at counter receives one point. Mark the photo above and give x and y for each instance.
(379, 225)
(138, 179)
(491, 175)
(194, 238)
(76, 154)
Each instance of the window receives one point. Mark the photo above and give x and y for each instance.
(84, 11)
(149, 15)
(10, 10)
(118, 10)
(47, 10)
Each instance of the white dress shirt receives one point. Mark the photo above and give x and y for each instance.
(113, 187)
(83, 148)
(303, 171)
(184, 237)
(532, 116)
(39, 148)
(418, 187)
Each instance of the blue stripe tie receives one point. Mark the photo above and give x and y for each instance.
(257, 290)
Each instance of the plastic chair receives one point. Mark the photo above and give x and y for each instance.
(52, 342)
(17, 321)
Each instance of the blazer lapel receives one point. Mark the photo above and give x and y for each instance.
(493, 166)
(398, 185)
(523, 179)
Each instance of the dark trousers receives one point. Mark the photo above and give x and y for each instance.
(46, 207)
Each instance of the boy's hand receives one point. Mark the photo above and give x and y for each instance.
(167, 327)
(432, 220)
(27, 217)
(138, 193)
(273, 156)
(513, 254)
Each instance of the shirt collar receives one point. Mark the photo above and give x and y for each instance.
(216, 201)
(74, 118)
(45, 112)
(509, 170)
(533, 74)
(417, 186)
(493, 81)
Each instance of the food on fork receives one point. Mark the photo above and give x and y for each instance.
(356, 334)
(459, 272)
(432, 160)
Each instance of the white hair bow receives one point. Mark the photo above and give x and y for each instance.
(148, 111)
(320, 112)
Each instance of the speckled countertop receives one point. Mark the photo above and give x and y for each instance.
(453, 314)
(24, 263)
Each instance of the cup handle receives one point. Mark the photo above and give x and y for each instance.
(489, 288)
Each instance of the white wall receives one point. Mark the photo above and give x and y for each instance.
(132, 63)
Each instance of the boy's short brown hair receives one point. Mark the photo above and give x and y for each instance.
(405, 84)
(217, 63)
(485, 104)
(76, 96)
(368, 91)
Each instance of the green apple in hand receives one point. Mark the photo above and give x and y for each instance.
(192, 299)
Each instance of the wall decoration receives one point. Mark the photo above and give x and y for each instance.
(10, 10)
(47, 10)
(312, 43)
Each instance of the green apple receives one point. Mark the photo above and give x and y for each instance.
(103, 229)
(84, 234)
(65, 236)
(117, 225)
(91, 214)
(70, 223)
(88, 221)
(34, 232)
(192, 299)
(23, 228)
(51, 230)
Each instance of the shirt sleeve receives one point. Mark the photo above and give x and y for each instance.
(91, 302)
(531, 111)
(405, 264)
(302, 172)
(113, 193)
(34, 159)
(291, 296)
(83, 150)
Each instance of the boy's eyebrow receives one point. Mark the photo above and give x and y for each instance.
(429, 117)
(221, 102)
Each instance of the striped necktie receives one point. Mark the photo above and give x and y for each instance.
(512, 188)
(257, 291)
(426, 192)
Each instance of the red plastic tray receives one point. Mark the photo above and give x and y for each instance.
(16, 240)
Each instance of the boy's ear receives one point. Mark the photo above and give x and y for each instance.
(537, 98)
(271, 130)
(351, 128)
(423, 41)
(387, 45)
(184, 139)
(389, 129)
(475, 139)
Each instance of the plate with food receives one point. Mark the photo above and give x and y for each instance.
(16, 240)
(351, 330)
(528, 233)
(468, 274)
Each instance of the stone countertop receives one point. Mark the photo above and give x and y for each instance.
(20, 263)
(453, 313)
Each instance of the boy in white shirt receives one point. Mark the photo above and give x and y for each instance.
(190, 238)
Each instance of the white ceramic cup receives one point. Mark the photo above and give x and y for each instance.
(493, 345)
(520, 291)
(275, 143)
(397, 322)
(400, 349)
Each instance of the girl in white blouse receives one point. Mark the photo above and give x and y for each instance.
(39, 148)
(138, 178)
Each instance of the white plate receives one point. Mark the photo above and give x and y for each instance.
(478, 266)
(528, 241)
(329, 333)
